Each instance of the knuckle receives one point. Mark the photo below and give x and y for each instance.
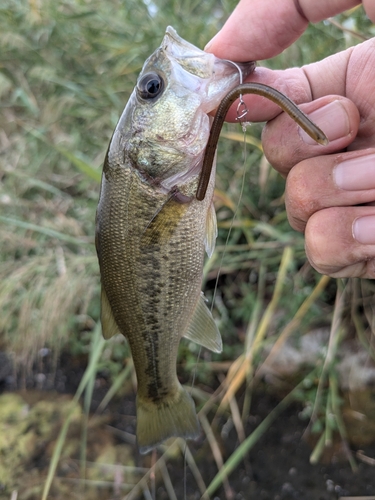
(277, 145)
(298, 201)
(318, 245)
(331, 249)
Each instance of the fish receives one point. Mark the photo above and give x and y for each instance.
(152, 232)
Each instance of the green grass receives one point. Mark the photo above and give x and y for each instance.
(66, 71)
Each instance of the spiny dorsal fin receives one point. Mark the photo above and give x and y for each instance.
(203, 329)
(109, 325)
(211, 231)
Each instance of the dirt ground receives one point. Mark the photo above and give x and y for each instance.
(277, 468)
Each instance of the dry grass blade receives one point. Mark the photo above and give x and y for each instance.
(88, 376)
(44, 230)
(147, 493)
(336, 409)
(80, 164)
(117, 383)
(41, 292)
(328, 375)
(364, 458)
(237, 374)
(365, 327)
(167, 480)
(293, 324)
(97, 483)
(170, 451)
(215, 448)
(193, 466)
(334, 336)
(371, 497)
(238, 455)
(353, 33)
(250, 333)
(237, 421)
(249, 139)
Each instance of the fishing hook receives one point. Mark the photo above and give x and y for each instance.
(263, 90)
(241, 107)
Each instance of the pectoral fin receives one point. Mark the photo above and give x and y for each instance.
(109, 325)
(211, 231)
(203, 329)
(162, 226)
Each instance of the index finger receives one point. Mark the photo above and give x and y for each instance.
(260, 29)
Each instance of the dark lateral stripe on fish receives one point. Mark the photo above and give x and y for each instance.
(155, 390)
(151, 261)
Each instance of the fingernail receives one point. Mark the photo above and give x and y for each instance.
(356, 173)
(364, 230)
(332, 119)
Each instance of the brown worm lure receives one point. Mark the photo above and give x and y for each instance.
(270, 93)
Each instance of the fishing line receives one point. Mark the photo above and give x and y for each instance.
(241, 113)
(234, 214)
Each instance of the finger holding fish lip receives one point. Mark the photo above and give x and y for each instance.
(288, 82)
(306, 84)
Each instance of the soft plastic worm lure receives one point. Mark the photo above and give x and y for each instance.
(270, 93)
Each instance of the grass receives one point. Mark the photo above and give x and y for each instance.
(66, 71)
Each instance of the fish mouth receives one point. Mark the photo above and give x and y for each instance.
(226, 76)
(216, 76)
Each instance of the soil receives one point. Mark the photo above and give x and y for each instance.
(276, 468)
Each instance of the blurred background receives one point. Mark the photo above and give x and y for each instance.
(294, 341)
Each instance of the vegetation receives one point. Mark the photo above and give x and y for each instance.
(66, 71)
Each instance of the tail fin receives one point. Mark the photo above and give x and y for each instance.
(174, 415)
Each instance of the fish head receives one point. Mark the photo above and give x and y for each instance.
(165, 126)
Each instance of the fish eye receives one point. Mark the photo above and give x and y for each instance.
(150, 86)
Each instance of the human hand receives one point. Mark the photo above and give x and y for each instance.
(330, 192)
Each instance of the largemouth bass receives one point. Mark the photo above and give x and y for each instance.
(152, 232)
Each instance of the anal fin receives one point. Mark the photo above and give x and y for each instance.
(109, 325)
(202, 328)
